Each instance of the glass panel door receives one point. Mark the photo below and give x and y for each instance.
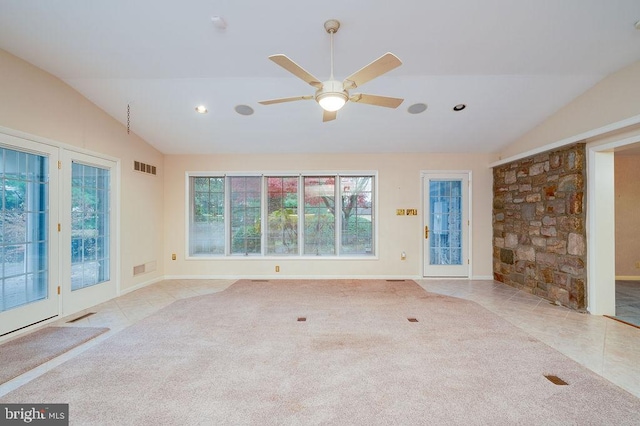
(88, 231)
(27, 262)
(446, 225)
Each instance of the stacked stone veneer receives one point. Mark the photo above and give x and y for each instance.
(539, 242)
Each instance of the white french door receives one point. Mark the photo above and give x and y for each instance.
(58, 232)
(89, 238)
(446, 224)
(29, 259)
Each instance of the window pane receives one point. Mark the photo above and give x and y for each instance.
(282, 213)
(24, 216)
(89, 221)
(356, 194)
(319, 215)
(206, 233)
(245, 214)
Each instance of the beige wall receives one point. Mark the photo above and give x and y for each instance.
(399, 186)
(613, 99)
(153, 208)
(627, 205)
(40, 104)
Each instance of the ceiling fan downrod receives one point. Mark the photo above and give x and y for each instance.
(332, 26)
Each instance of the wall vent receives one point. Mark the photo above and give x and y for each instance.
(139, 269)
(139, 166)
(145, 268)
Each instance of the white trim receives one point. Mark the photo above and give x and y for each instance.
(54, 143)
(601, 224)
(296, 277)
(482, 278)
(291, 257)
(142, 285)
(570, 140)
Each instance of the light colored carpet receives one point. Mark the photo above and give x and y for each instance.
(242, 357)
(20, 355)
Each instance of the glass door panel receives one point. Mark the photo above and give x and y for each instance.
(88, 231)
(446, 225)
(27, 263)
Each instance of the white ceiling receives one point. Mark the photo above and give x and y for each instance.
(513, 63)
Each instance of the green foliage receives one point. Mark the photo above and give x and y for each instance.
(284, 224)
(246, 239)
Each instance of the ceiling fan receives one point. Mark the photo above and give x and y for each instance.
(332, 94)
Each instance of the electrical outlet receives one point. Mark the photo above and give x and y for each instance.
(277, 268)
(638, 264)
(173, 256)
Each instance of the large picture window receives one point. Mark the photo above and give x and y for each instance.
(289, 215)
(206, 227)
(282, 215)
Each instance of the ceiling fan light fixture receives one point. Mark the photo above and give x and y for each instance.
(332, 101)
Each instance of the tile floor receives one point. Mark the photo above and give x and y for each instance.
(608, 347)
(628, 301)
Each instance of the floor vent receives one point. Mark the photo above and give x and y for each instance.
(139, 166)
(412, 319)
(396, 281)
(302, 319)
(82, 317)
(259, 281)
(555, 380)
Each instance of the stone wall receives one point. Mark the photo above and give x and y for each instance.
(539, 236)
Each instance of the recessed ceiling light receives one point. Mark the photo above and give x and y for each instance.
(202, 109)
(244, 109)
(219, 22)
(417, 108)
(459, 107)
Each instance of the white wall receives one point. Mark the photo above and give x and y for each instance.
(613, 99)
(37, 103)
(399, 186)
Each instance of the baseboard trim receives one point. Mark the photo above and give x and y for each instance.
(292, 277)
(628, 277)
(141, 285)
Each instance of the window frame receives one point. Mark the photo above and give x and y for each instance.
(264, 255)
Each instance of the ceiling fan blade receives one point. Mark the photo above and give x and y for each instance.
(329, 115)
(296, 70)
(383, 64)
(281, 100)
(383, 101)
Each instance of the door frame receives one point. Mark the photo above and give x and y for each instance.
(425, 220)
(601, 280)
(12, 139)
(44, 309)
(75, 301)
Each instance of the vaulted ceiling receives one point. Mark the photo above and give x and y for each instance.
(513, 63)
